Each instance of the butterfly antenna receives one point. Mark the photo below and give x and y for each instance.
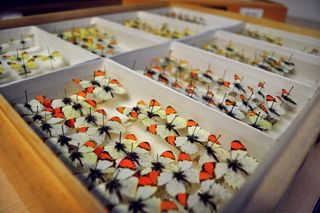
(273, 101)
(272, 54)
(255, 122)
(152, 105)
(250, 96)
(17, 51)
(65, 92)
(134, 64)
(173, 119)
(224, 74)
(26, 95)
(211, 99)
(193, 90)
(50, 58)
(116, 173)
(224, 97)
(262, 86)
(233, 106)
(194, 130)
(62, 129)
(22, 41)
(209, 66)
(217, 138)
(208, 89)
(290, 91)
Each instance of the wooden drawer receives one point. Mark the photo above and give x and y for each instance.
(45, 184)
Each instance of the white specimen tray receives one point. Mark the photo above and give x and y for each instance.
(210, 19)
(127, 38)
(260, 146)
(42, 40)
(290, 40)
(53, 85)
(201, 59)
(157, 21)
(307, 66)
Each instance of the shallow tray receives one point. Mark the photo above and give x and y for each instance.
(71, 54)
(128, 39)
(209, 20)
(158, 21)
(53, 85)
(291, 40)
(307, 66)
(201, 59)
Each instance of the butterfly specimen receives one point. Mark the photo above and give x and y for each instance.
(189, 143)
(121, 186)
(52, 57)
(237, 166)
(173, 123)
(121, 147)
(22, 63)
(258, 122)
(175, 181)
(285, 97)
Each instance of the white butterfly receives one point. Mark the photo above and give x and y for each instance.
(112, 126)
(238, 165)
(175, 181)
(213, 150)
(108, 89)
(172, 125)
(189, 143)
(118, 149)
(120, 187)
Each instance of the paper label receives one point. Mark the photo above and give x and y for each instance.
(251, 12)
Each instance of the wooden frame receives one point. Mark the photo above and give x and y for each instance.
(45, 184)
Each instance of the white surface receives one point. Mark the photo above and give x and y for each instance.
(307, 9)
